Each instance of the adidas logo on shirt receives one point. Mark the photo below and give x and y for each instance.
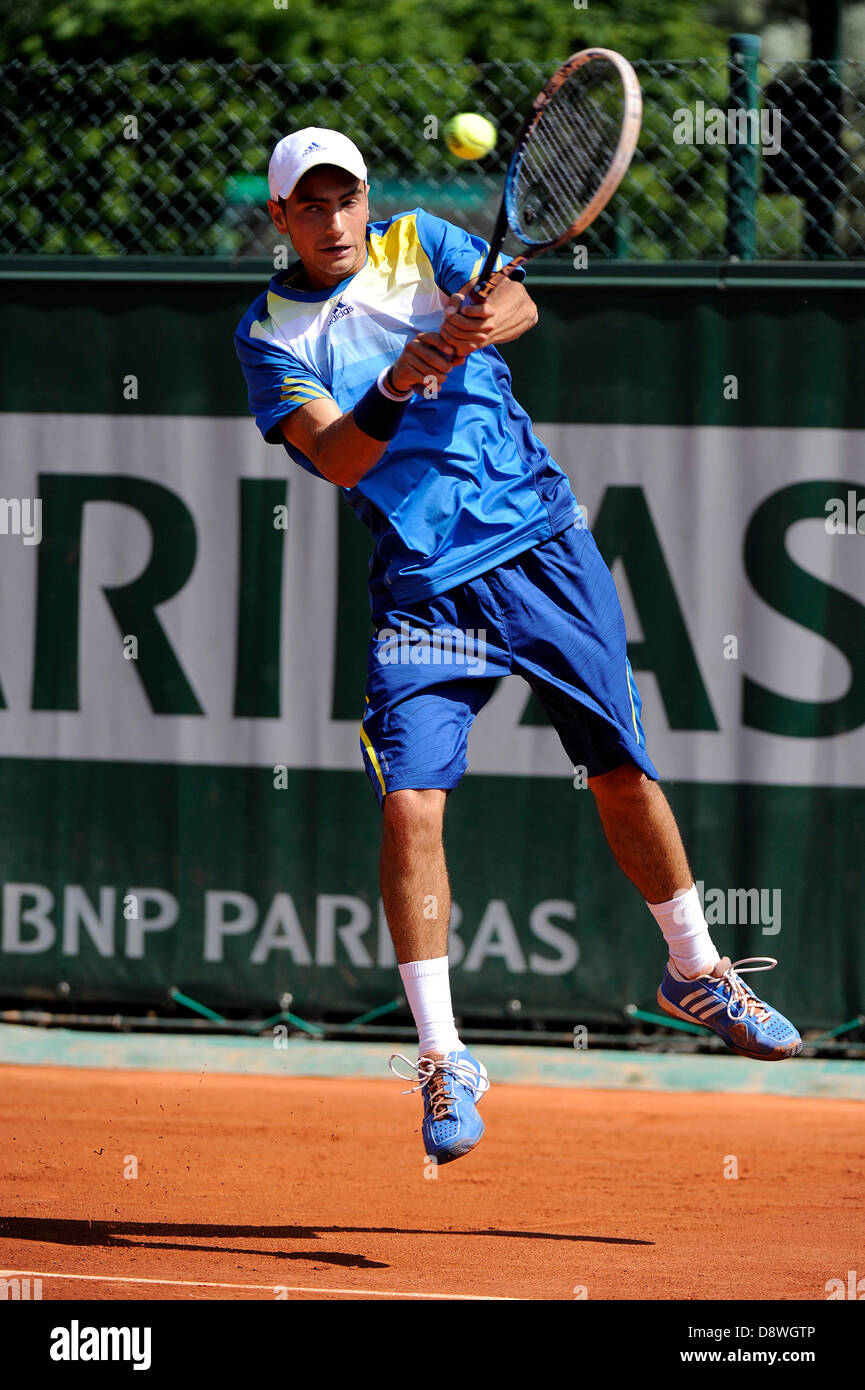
(340, 312)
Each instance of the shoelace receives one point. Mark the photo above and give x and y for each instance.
(741, 995)
(432, 1074)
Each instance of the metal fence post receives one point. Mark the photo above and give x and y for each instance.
(622, 234)
(741, 235)
(818, 242)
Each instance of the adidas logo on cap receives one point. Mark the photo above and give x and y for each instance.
(296, 154)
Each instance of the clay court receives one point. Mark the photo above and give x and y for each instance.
(256, 1187)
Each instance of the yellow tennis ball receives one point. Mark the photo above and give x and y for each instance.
(469, 136)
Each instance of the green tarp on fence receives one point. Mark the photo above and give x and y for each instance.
(190, 810)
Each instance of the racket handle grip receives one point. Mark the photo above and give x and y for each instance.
(478, 293)
(484, 288)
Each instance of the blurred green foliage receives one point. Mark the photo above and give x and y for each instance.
(285, 30)
(122, 122)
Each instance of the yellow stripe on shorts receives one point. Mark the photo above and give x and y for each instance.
(364, 738)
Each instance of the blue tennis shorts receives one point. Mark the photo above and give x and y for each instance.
(550, 615)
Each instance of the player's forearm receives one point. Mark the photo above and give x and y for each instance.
(344, 447)
(344, 454)
(519, 313)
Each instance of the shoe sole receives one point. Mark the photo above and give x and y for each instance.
(675, 1012)
(460, 1151)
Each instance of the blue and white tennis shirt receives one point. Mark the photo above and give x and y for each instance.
(465, 484)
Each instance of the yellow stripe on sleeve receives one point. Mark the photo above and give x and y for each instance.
(303, 393)
(631, 697)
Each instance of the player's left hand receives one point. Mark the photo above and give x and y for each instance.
(467, 326)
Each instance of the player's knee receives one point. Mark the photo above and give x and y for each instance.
(414, 814)
(625, 783)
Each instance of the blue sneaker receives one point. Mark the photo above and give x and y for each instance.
(452, 1085)
(722, 1001)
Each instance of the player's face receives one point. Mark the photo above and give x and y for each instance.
(326, 218)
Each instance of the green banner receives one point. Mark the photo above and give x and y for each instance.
(183, 632)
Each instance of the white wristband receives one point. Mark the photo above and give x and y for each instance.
(388, 391)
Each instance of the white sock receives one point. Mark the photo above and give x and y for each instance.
(428, 991)
(686, 933)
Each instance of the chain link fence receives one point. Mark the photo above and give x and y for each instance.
(170, 159)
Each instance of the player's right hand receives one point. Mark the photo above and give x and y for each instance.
(425, 359)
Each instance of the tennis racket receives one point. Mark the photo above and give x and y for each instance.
(570, 157)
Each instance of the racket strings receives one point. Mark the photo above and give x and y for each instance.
(581, 127)
(569, 156)
(568, 153)
(560, 196)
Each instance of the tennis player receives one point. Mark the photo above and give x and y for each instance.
(366, 362)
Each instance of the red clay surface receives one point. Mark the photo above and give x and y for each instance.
(317, 1188)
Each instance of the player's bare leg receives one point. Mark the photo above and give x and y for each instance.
(416, 897)
(642, 833)
(414, 880)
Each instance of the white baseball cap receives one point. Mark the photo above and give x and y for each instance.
(296, 154)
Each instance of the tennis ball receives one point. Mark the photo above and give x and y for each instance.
(469, 136)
